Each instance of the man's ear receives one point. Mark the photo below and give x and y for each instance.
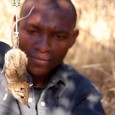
(74, 36)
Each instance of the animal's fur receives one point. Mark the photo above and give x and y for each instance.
(15, 72)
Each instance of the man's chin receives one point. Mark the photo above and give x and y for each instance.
(38, 71)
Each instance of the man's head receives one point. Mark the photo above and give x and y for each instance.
(47, 34)
(55, 4)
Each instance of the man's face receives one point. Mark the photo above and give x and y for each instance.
(45, 36)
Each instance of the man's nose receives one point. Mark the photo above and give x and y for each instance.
(42, 44)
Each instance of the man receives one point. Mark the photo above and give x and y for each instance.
(46, 36)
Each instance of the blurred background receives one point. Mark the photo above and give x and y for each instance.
(93, 54)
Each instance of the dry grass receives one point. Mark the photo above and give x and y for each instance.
(94, 51)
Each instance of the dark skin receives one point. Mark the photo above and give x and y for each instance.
(45, 36)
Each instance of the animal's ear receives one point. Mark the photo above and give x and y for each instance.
(73, 37)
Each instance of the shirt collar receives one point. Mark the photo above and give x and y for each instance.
(60, 75)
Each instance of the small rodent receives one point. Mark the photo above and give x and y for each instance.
(15, 69)
(15, 72)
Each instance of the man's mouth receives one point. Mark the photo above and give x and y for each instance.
(39, 61)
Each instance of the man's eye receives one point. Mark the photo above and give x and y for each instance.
(31, 31)
(60, 37)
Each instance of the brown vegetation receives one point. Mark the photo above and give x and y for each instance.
(93, 53)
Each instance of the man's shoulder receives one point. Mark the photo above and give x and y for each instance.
(80, 93)
(73, 75)
(81, 83)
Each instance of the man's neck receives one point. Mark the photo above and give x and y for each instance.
(43, 80)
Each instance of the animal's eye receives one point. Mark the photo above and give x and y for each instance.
(30, 31)
(22, 89)
(22, 97)
(60, 36)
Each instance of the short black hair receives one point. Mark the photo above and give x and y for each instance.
(62, 4)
